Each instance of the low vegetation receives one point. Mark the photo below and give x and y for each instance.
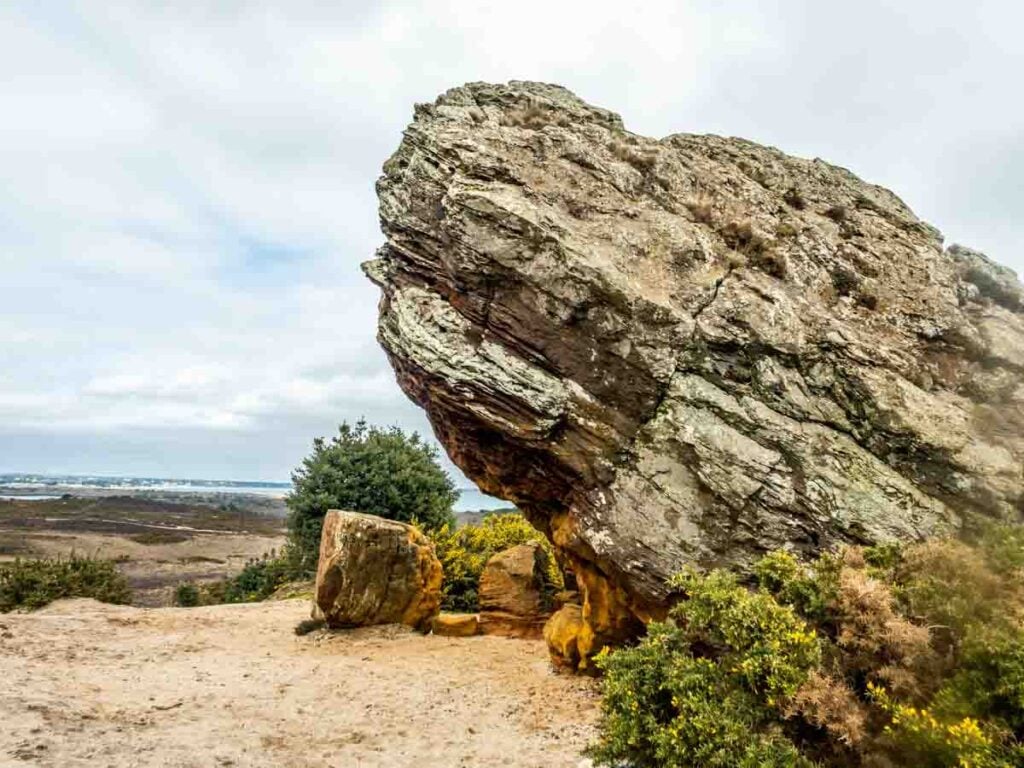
(464, 552)
(160, 537)
(31, 584)
(875, 657)
(187, 596)
(258, 580)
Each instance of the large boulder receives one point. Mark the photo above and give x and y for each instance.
(688, 350)
(512, 593)
(376, 571)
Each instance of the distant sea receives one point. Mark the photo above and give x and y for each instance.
(33, 486)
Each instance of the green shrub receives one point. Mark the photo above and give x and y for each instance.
(708, 688)
(257, 580)
(35, 583)
(464, 552)
(885, 656)
(363, 469)
(382, 472)
(186, 595)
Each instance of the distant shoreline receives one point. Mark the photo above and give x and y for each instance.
(37, 486)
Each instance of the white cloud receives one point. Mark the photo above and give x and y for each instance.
(186, 190)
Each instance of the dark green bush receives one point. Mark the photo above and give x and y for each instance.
(258, 580)
(187, 595)
(878, 657)
(35, 583)
(382, 472)
(363, 469)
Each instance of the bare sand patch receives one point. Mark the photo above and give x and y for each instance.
(87, 684)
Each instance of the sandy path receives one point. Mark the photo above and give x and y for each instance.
(86, 684)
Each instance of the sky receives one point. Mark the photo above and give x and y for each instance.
(186, 189)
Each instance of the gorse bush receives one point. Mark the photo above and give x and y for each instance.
(879, 657)
(382, 472)
(706, 688)
(464, 552)
(258, 580)
(35, 583)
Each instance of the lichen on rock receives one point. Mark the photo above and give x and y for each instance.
(688, 350)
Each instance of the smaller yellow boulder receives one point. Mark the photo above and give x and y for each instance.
(562, 633)
(456, 624)
(512, 599)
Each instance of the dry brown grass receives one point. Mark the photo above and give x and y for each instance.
(830, 704)
(868, 300)
(701, 209)
(760, 252)
(953, 584)
(875, 639)
(642, 159)
(838, 213)
(735, 260)
(794, 198)
(772, 262)
(532, 116)
(786, 229)
(741, 235)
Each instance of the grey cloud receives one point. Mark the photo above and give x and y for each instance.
(186, 190)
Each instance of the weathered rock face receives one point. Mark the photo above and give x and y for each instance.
(692, 349)
(512, 601)
(376, 571)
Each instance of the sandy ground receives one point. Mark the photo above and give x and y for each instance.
(86, 684)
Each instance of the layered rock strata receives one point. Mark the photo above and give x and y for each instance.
(688, 350)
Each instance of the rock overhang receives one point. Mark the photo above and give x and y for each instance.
(688, 350)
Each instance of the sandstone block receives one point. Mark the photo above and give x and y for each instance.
(376, 571)
(511, 593)
(456, 624)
